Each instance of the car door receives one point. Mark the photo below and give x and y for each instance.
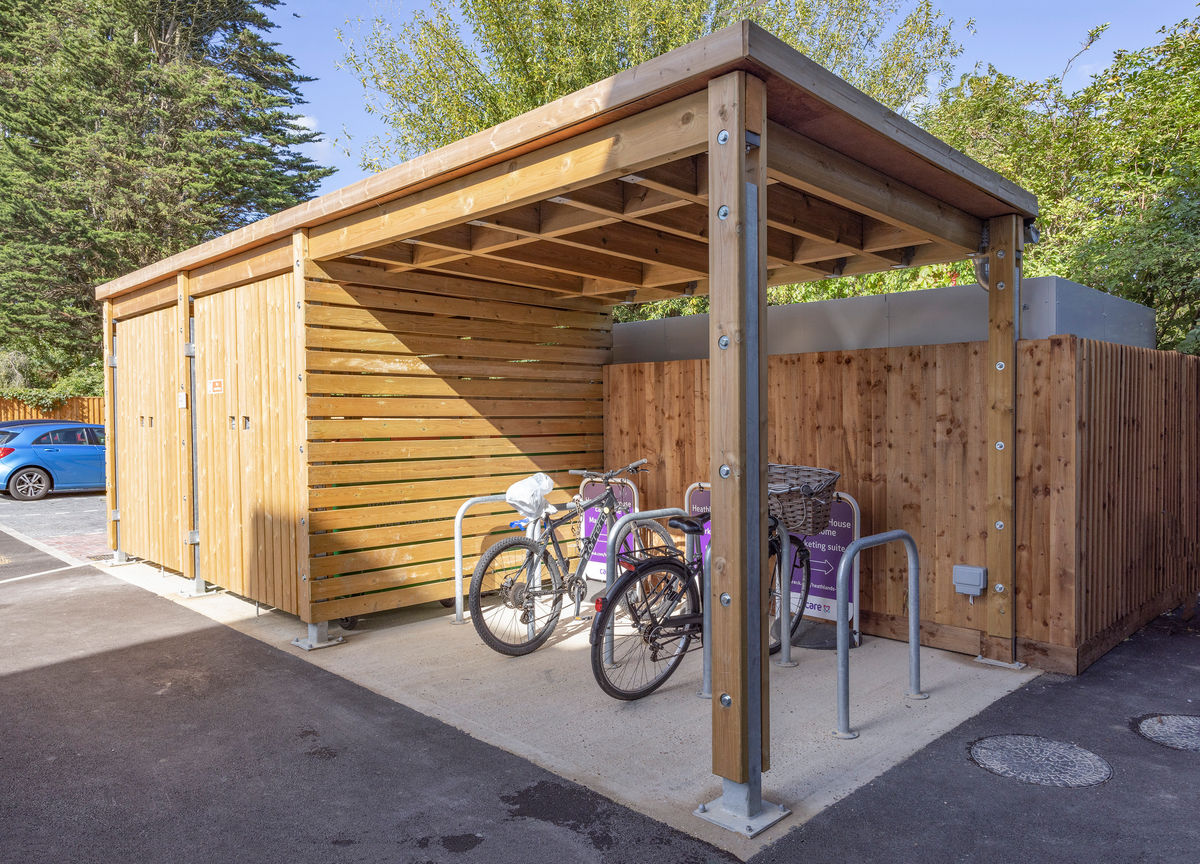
(66, 453)
(95, 458)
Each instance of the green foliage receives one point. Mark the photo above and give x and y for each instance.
(131, 130)
(85, 381)
(1115, 166)
(466, 65)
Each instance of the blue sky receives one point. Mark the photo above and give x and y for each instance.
(1030, 38)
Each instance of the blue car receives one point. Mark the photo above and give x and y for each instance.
(42, 456)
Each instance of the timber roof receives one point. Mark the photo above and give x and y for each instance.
(604, 192)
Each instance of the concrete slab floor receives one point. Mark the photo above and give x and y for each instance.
(651, 755)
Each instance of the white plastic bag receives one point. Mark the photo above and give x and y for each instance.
(528, 496)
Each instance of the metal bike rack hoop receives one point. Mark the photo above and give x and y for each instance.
(843, 622)
(458, 550)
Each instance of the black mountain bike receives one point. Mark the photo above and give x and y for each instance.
(656, 613)
(518, 587)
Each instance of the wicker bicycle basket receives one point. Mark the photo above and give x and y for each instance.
(801, 496)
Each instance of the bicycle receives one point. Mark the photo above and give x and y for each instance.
(517, 588)
(656, 612)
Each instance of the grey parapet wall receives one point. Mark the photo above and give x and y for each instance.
(1050, 306)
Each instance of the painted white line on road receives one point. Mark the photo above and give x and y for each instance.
(43, 573)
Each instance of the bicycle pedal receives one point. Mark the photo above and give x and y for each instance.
(581, 618)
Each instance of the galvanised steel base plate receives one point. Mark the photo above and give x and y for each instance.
(1041, 761)
(750, 826)
(1177, 731)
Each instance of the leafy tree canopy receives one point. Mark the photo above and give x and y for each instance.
(466, 65)
(1115, 166)
(131, 129)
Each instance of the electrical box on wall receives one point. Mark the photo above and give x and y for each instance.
(969, 580)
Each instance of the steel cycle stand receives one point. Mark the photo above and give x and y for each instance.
(615, 535)
(458, 550)
(843, 623)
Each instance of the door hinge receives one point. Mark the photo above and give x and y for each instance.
(189, 349)
(193, 538)
(112, 361)
(116, 516)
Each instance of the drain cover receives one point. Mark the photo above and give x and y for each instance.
(1177, 731)
(1033, 759)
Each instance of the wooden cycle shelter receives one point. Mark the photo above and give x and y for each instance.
(299, 407)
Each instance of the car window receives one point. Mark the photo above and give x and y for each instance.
(64, 436)
(7, 435)
(97, 436)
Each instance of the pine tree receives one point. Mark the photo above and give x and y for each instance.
(131, 130)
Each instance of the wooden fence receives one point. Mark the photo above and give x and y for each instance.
(1106, 507)
(85, 409)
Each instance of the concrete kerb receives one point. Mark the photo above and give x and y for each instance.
(547, 708)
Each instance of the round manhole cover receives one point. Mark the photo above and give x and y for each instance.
(1177, 731)
(1032, 759)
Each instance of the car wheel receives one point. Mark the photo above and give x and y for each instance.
(29, 484)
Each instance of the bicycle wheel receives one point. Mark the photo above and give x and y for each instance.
(647, 645)
(775, 601)
(516, 596)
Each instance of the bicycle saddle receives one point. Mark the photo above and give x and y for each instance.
(692, 525)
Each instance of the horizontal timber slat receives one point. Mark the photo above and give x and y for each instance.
(427, 469)
(337, 361)
(346, 272)
(399, 406)
(346, 451)
(412, 532)
(396, 343)
(390, 514)
(458, 307)
(324, 430)
(415, 490)
(403, 322)
(451, 388)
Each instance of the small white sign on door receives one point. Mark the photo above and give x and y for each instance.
(216, 386)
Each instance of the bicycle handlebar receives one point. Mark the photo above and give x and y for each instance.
(608, 475)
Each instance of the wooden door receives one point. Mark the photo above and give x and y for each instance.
(218, 418)
(147, 441)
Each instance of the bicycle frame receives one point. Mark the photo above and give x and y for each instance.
(586, 544)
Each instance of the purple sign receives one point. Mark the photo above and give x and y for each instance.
(826, 551)
(597, 567)
(700, 501)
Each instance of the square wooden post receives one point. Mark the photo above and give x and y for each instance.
(737, 209)
(186, 396)
(110, 427)
(1004, 298)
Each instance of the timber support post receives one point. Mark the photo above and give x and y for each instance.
(1004, 308)
(186, 402)
(737, 179)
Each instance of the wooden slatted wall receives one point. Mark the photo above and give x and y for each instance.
(147, 440)
(84, 409)
(905, 427)
(1139, 498)
(418, 401)
(249, 445)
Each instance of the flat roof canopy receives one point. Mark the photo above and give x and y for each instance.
(603, 193)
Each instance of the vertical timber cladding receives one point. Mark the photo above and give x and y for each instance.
(146, 423)
(906, 427)
(251, 469)
(424, 391)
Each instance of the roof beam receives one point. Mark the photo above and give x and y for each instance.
(654, 136)
(812, 167)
